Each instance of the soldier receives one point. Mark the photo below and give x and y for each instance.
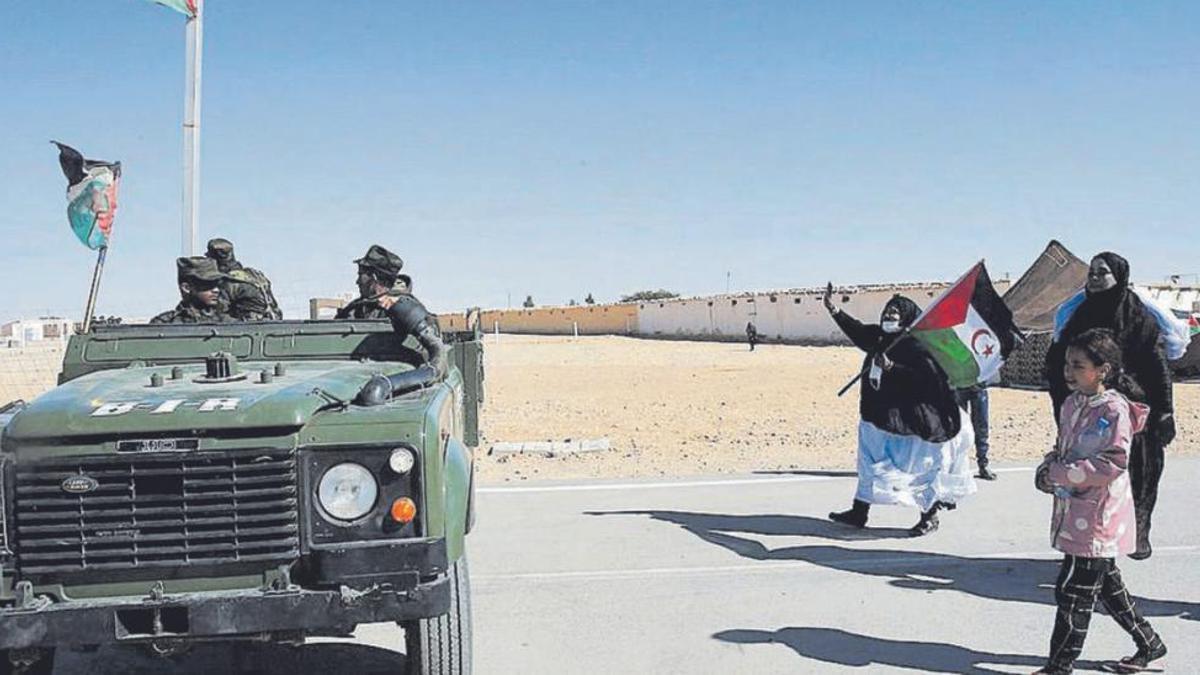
(245, 291)
(384, 293)
(378, 275)
(199, 288)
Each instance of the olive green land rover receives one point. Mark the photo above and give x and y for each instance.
(188, 483)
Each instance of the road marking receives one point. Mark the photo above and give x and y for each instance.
(769, 566)
(595, 487)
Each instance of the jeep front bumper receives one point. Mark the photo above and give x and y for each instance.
(238, 614)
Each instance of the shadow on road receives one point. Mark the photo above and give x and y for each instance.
(1028, 580)
(236, 657)
(825, 473)
(705, 525)
(1008, 579)
(850, 649)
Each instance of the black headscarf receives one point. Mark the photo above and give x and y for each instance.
(909, 311)
(1100, 308)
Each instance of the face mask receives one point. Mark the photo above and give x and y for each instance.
(890, 326)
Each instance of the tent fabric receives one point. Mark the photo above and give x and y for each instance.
(1052, 279)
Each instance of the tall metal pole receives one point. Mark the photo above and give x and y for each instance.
(91, 301)
(191, 132)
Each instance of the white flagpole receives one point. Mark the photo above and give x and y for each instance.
(191, 132)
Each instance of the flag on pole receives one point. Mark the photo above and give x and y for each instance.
(968, 329)
(91, 195)
(190, 8)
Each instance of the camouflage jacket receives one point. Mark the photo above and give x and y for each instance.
(248, 297)
(185, 312)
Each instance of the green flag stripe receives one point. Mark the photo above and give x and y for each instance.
(952, 355)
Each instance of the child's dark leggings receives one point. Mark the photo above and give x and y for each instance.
(1080, 581)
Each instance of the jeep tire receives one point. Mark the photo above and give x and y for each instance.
(442, 645)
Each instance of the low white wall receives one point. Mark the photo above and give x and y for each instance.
(794, 316)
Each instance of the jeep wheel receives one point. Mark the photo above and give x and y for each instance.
(44, 665)
(442, 645)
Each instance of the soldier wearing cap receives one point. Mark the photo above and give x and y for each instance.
(378, 276)
(245, 291)
(384, 293)
(199, 287)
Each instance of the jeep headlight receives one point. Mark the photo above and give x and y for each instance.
(347, 491)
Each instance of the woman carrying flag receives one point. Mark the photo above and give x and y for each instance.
(912, 439)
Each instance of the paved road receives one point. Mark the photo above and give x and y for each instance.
(744, 575)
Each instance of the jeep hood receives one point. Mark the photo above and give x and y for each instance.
(122, 402)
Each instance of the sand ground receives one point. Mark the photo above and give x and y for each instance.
(685, 408)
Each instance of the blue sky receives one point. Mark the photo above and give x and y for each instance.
(562, 148)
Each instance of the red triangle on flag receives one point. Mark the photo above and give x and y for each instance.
(951, 309)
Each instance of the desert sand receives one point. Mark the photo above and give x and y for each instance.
(671, 408)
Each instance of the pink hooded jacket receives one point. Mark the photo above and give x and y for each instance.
(1093, 501)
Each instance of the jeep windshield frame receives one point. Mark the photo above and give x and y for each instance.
(120, 345)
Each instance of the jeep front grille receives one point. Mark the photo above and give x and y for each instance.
(156, 511)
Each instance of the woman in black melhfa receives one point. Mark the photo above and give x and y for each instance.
(912, 442)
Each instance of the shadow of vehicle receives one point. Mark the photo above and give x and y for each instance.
(832, 645)
(236, 657)
(708, 526)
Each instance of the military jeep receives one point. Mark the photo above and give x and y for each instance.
(189, 483)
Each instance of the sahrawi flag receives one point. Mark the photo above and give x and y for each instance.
(91, 195)
(188, 7)
(969, 330)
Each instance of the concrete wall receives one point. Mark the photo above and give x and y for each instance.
(29, 371)
(795, 316)
(618, 319)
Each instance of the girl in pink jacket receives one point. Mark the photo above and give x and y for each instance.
(1093, 520)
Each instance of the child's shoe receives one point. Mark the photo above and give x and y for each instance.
(1144, 661)
(1053, 670)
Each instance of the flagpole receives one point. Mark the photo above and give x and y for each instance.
(91, 302)
(191, 132)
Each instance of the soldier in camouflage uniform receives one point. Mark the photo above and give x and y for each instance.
(384, 293)
(199, 286)
(246, 292)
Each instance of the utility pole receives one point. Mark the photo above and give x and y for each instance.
(191, 131)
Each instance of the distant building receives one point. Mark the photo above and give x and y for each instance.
(46, 329)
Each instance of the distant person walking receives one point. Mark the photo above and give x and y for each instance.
(912, 437)
(1109, 302)
(751, 334)
(1093, 520)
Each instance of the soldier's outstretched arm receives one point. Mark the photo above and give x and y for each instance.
(409, 317)
(429, 338)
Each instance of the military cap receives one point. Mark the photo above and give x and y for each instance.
(383, 260)
(219, 246)
(199, 268)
